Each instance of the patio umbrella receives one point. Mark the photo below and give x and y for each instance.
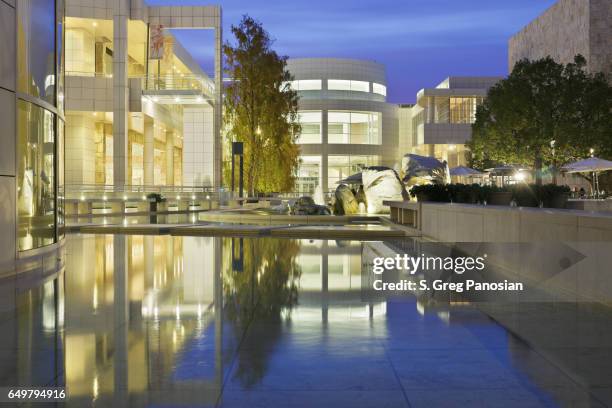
(464, 172)
(590, 165)
(593, 165)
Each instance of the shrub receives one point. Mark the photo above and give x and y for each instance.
(431, 192)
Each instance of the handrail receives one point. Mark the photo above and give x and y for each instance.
(159, 82)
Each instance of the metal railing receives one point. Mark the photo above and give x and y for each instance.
(177, 82)
(160, 82)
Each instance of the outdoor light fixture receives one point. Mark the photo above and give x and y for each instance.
(177, 99)
(124, 198)
(178, 197)
(104, 198)
(592, 151)
(82, 198)
(144, 198)
(519, 176)
(193, 197)
(208, 197)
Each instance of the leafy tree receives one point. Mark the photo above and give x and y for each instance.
(540, 102)
(261, 109)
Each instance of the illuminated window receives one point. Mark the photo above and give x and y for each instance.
(346, 85)
(308, 174)
(341, 167)
(306, 85)
(311, 127)
(379, 89)
(354, 127)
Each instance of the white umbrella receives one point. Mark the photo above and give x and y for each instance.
(593, 165)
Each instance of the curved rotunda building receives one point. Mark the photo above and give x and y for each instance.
(346, 122)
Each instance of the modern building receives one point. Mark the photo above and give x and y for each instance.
(568, 28)
(346, 122)
(440, 123)
(140, 112)
(135, 110)
(32, 119)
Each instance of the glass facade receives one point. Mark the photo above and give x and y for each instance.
(354, 127)
(311, 127)
(35, 176)
(340, 167)
(40, 130)
(36, 58)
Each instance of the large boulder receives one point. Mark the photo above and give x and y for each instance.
(346, 202)
(306, 206)
(380, 186)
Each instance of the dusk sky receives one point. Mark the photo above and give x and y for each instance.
(420, 42)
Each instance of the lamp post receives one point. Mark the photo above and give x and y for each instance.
(595, 176)
(554, 163)
(238, 149)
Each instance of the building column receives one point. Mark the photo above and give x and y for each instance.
(149, 151)
(217, 145)
(121, 13)
(169, 158)
(324, 155)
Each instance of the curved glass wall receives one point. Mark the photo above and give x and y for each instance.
(346, 85)
(40, 131)
(354, 127)
(35, 176)
(36, 48)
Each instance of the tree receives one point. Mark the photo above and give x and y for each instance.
(540, 102)
(261, 109)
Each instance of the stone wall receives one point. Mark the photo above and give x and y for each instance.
(562, 31)
(568, 28)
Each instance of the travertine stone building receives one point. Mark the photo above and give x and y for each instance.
(568, 28)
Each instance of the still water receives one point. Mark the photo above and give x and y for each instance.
(160, 321)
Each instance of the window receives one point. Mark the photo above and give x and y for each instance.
(456, 110)
(354, 127)
(463, 110)
(346, 85)
(311, 127)
(341, 167)
(36, 55)
(35, 176)
(308, 174)
(379, 89)
(306, 85)
(61, 221)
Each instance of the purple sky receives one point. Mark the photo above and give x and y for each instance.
(421, 42)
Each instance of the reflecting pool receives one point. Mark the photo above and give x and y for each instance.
(162, 321)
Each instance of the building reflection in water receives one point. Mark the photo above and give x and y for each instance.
(143, 316)
(161, 320)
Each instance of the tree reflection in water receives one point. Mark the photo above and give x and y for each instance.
(260, 282)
